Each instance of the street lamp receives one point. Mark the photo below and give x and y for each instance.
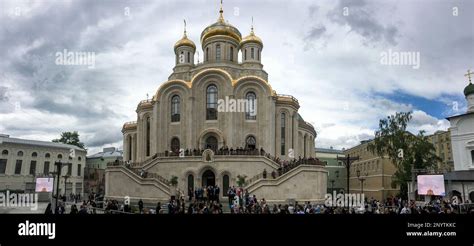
(361, 179)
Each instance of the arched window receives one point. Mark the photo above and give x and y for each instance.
(34, 154)
(252, 53)
(181, 57)
(250, 142)
(47, 155)
(211, 143)
(218, 52)
(5, 152)
(189, 57)
(282, 133)
(211, 103)
(231, 54)
(20, 153)
(175, 145)
(60, 156)
(175, 116)
(207, 54)
(148, 126)
(251, 107)
(245, 54)
(191, 183)
(225, 185)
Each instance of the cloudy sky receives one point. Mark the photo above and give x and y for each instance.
(328, 54)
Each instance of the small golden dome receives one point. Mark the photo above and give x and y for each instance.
(185, 41)
(221, 28)
(252, 38)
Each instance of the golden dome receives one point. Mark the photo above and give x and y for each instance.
(221, 28)
(252, 38)
(185, 41)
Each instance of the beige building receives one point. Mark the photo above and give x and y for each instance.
(376, 173)
(22, 161)
(186, 115)
(441, 140)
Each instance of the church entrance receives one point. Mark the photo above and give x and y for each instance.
(208, 178)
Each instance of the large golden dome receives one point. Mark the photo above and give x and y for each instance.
(221, 28)
(252, 38)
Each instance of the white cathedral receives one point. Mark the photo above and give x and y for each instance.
(181, 139)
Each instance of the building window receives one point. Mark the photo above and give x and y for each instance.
(282, 132)
(250, 142)
(20, 153)
(69, 169)
(32, 167)
(304, 146)
(189, 57)
(148, 125)
(211, 143)
(46, 167)
(225, 184)
(207, 54)
(60, 156)
(129, 147)
(3, 166)
(79, 158)
(47, 155)
(79, 170)
(472, 156)
(18, 166)
(211, 103)
(251, 110)
(218, 52)
(175, 145)
(245, 54)
(258, 54)
(5, 152)
(191, 183)
(175, 116)
(252, 53)
(231, 54)
(34, 154)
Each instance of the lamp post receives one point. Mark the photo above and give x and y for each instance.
(348, 160)
(58, 165)
(361, 179)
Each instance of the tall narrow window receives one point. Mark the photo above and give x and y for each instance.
(245, 54)
(148, 125)
(189, 57)
(472, 156)
(18, 166)
(251, 106)
(258, 54)
(218, 52)
(207, 54)
(190, 183)
(79, 170)
(211, 103)
(252, 55)
(225, 185)
(282, 132)
(46, 167)
(3, 166)
(175, 145)
(32, 167)
(292, 131)
(231, 54)
(304, 145)
(175, 116)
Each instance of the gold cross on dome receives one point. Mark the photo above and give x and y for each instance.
(468, 74)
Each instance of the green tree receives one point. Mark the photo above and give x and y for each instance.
(70, 138)
(241, 180)
(174, 180)
(402, 148)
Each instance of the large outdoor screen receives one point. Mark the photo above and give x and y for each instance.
(431, 185)
(44, 184)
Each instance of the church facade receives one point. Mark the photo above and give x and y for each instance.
(218, 123)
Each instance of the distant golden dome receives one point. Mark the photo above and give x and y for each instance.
(252, 38)
(185, 41)
(221, 28)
